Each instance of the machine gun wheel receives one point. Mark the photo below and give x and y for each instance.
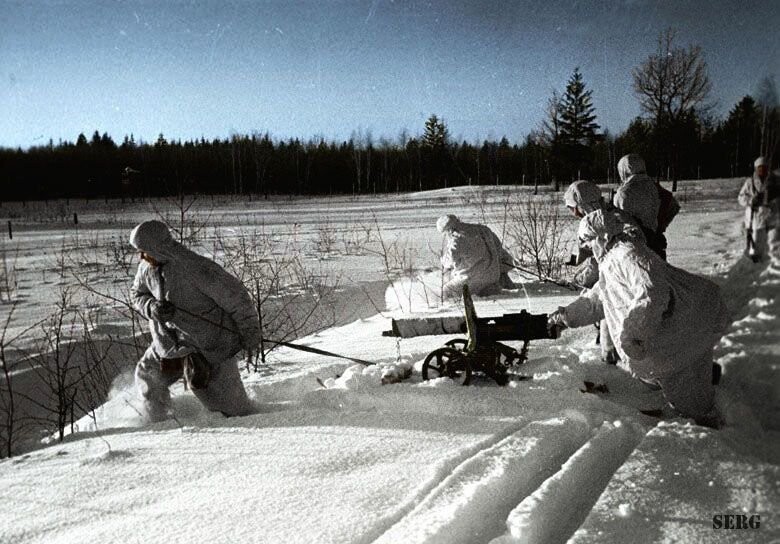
(458, 344)
(447, 362)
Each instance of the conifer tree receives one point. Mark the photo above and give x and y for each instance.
(436, 134)
(578, 127)
(578, 117)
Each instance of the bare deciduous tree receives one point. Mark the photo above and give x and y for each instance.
(671, 85)
(673, 80)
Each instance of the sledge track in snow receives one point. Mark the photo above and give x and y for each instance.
(555, 510)
(442, 473)
(540, 481)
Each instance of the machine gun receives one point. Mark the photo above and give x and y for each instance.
(481, 350)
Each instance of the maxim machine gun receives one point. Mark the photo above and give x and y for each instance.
(481, 351)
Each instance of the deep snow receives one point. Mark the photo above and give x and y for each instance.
(358, 461)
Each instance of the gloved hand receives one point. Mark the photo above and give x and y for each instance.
(556, 322)
(162, 311)
(635, 348)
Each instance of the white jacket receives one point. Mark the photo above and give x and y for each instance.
(473, 254)
(638, 197)
(761, 216)
(214, 314)
(662, 319)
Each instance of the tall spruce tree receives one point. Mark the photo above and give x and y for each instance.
(436, 134)
(578, 127)
(434, 147)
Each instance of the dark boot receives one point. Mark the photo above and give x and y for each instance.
(197, 371)
(611, 357)
(717, 371)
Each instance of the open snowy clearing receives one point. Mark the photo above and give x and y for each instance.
(357, 461)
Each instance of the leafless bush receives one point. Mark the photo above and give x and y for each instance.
(55, 367)
(398, 257)
(325, 239)
(292, 298)
(188, 225)
(9, 282)
(98, 369)
(357, 238)
(13, 421)
(535, 234)
(73, 370)
(120, 255)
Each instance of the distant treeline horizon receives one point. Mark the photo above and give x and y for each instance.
(260, 165)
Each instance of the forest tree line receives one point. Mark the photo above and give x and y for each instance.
(676, 134)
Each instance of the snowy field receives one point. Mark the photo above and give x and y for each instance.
(335, 456)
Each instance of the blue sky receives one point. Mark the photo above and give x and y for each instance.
(334, 68)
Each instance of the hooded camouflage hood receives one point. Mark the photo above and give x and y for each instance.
(584, 195)
(599, 225)
(154, 238)
(631, 165)
(447, 222)
(597, 229)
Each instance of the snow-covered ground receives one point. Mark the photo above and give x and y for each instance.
(335, 456)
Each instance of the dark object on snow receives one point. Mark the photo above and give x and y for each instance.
(612, 357)
(481, 351)
(172, 368)
(197, 371)
(591, 387)
(750, 245)
(396, 375)
(717, 372)
(653, 412)
(194, 368)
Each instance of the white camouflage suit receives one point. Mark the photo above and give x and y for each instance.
(763, 219)
(665, 321)
(585, 197)
(637, 194)
(214, 316)
(472, 255)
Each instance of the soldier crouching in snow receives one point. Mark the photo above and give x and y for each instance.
(664, 321)
(200, 317)
(583, 197)
(472, 255)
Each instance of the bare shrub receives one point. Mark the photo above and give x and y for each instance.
(325, 239)
(120, 255)
(188, 225)
(73, 370)
(9, 282)
(357, 237)
(291, 297)
(535, 234)
(14, 422)
(55, 366)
